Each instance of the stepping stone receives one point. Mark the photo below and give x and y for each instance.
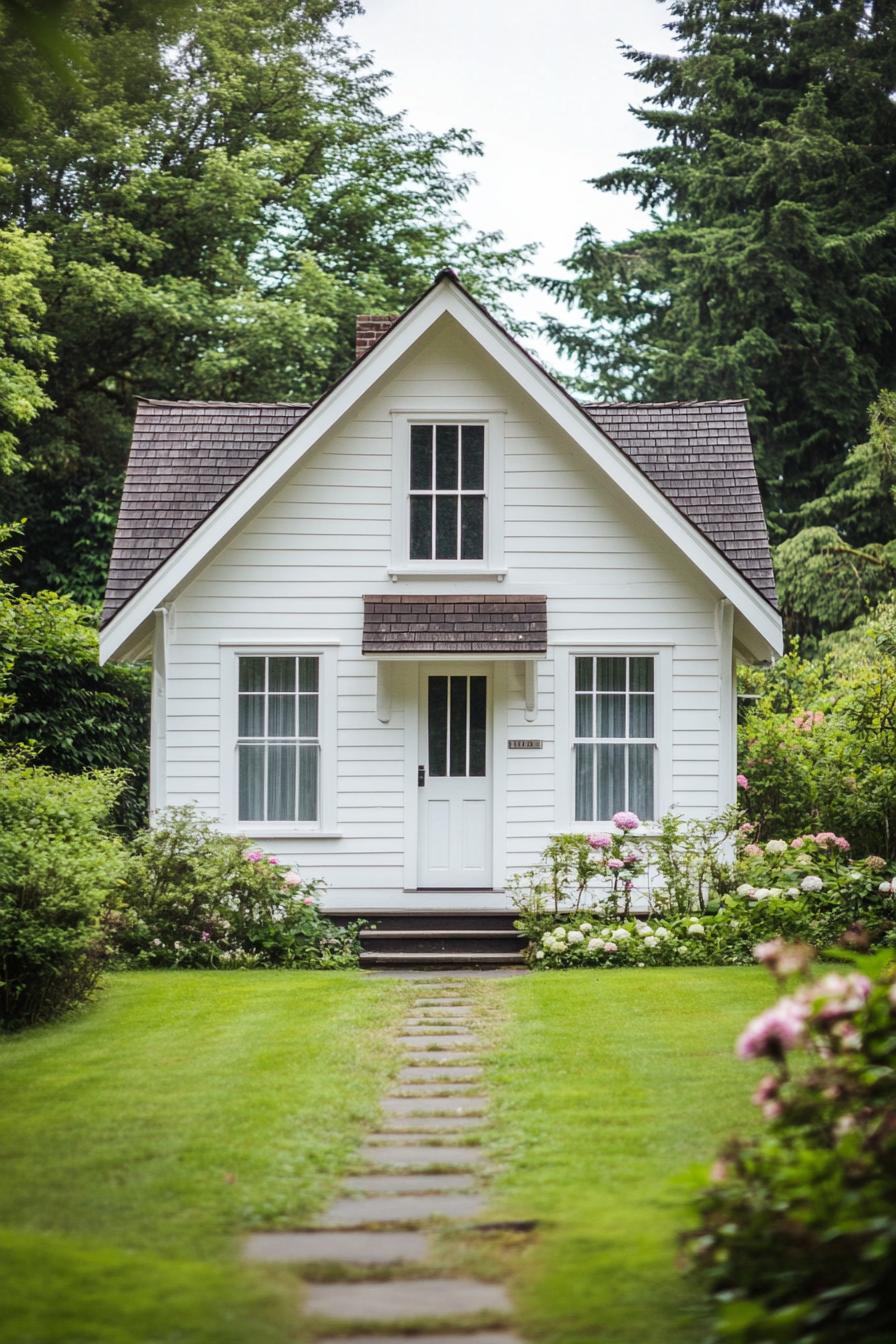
(407, 1300)
(434, 1105)
(446, 1010)
(434, 1026)
(423, 1042)
(449, 1001)
(439, 1073)
(416, 1183)
(444, 1087)
(478, 1337)
(354, 1248)
(453, 1059)
(402, 1124)
(398, 1154)
(361, 1212)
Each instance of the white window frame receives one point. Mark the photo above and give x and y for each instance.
(492, 563)
(229, 798)
(564, 672)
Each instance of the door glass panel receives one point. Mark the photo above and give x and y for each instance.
(477, 725)
(438, 725)
(458, 727)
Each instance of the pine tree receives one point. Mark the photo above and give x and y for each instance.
(768, 269)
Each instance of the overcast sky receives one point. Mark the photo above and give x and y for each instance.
(543, 85)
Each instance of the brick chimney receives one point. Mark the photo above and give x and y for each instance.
(369, 328)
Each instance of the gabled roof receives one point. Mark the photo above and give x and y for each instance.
(197, 468)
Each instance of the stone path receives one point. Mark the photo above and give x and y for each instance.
(419, 1172)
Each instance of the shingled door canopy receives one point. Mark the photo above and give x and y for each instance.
(473, 624)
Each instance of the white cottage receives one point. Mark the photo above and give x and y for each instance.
(405, 634)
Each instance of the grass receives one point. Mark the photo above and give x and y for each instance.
(139, 1137)
(608, 1089)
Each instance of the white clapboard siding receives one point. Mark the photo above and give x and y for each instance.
(297, 571)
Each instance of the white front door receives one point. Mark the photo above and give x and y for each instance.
(454, 777)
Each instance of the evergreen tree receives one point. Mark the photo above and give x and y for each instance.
(221, 191)
(768, 269)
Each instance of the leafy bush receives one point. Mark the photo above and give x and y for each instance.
(58, 869)
(818, 741)
(198, 898)
(797, 1232)
(808, 888)
(76, 715)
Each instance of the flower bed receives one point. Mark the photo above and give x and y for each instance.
(703, 908)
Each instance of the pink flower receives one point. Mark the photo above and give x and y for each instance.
(600, 841)
(747, 828)
(205, 935)
(753, 850)
(773, 1032)
(307, 900)
(842, 843)
(766, 1089)
(772, 1110)
(291, 879)
(824, 838)
(615, 864)
(742, 782)
(630, 860)
(626, 821)
(768, 952)
(798, 843)
(610, 947)
(840, 995)
(254, 855)
(274, 862)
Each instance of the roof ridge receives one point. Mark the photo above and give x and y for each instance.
(660, 405)
(238, 405)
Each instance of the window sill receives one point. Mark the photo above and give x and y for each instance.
(448, 570)
(256, 832)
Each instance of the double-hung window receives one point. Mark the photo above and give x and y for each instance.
(447, 492)
(614, 741)
(278, 737)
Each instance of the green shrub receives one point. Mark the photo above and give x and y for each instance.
(797, 1232)
(198, 898)
(818, 741)
(58, 869)
(74, 714)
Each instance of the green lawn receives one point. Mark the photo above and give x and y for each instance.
(139, 1136)
(609, 1087)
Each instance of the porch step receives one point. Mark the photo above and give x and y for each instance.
(457, 941)
(430, 918)
(433, 938)
(436, 959)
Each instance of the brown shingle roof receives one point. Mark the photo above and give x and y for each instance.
(187, 456)
(455, 624)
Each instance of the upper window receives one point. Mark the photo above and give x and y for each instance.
(278, 738)
(614, 745)
(447, 492)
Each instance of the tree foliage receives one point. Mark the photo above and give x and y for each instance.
(768, 269)
(222, 191)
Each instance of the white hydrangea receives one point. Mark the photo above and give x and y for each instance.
(696, 929)
(651, 941)
(595, 944)
(760, 893)
(620, 935)
(745, 889)
(663, 932)
(812, 883)
(586, 928)
(547, 937)
(559, 932)
(605, 933)
(575, 937)
(775, 891)
(642, 929)
(885, 888)
(793, 891)
(776, 847)
(539, 955)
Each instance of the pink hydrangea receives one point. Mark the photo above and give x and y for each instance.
(254, 855)
(842, 843)
(630, 860)
(753, 850)
(274, 862)
(600, 841)
(766, 1089)
(742, 782)
(798, 843)
(824, 838)
(840, 995)
(291, 879)
(626, 821)
(775, 1031)
(615, 864)
(307, 900)
(610, 947)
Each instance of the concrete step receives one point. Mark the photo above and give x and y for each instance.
(436, 960)
(464, 941)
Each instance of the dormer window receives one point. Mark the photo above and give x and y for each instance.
(447, 492)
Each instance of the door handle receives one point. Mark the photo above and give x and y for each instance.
(421, 776)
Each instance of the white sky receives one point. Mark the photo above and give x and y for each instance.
(543, 85)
